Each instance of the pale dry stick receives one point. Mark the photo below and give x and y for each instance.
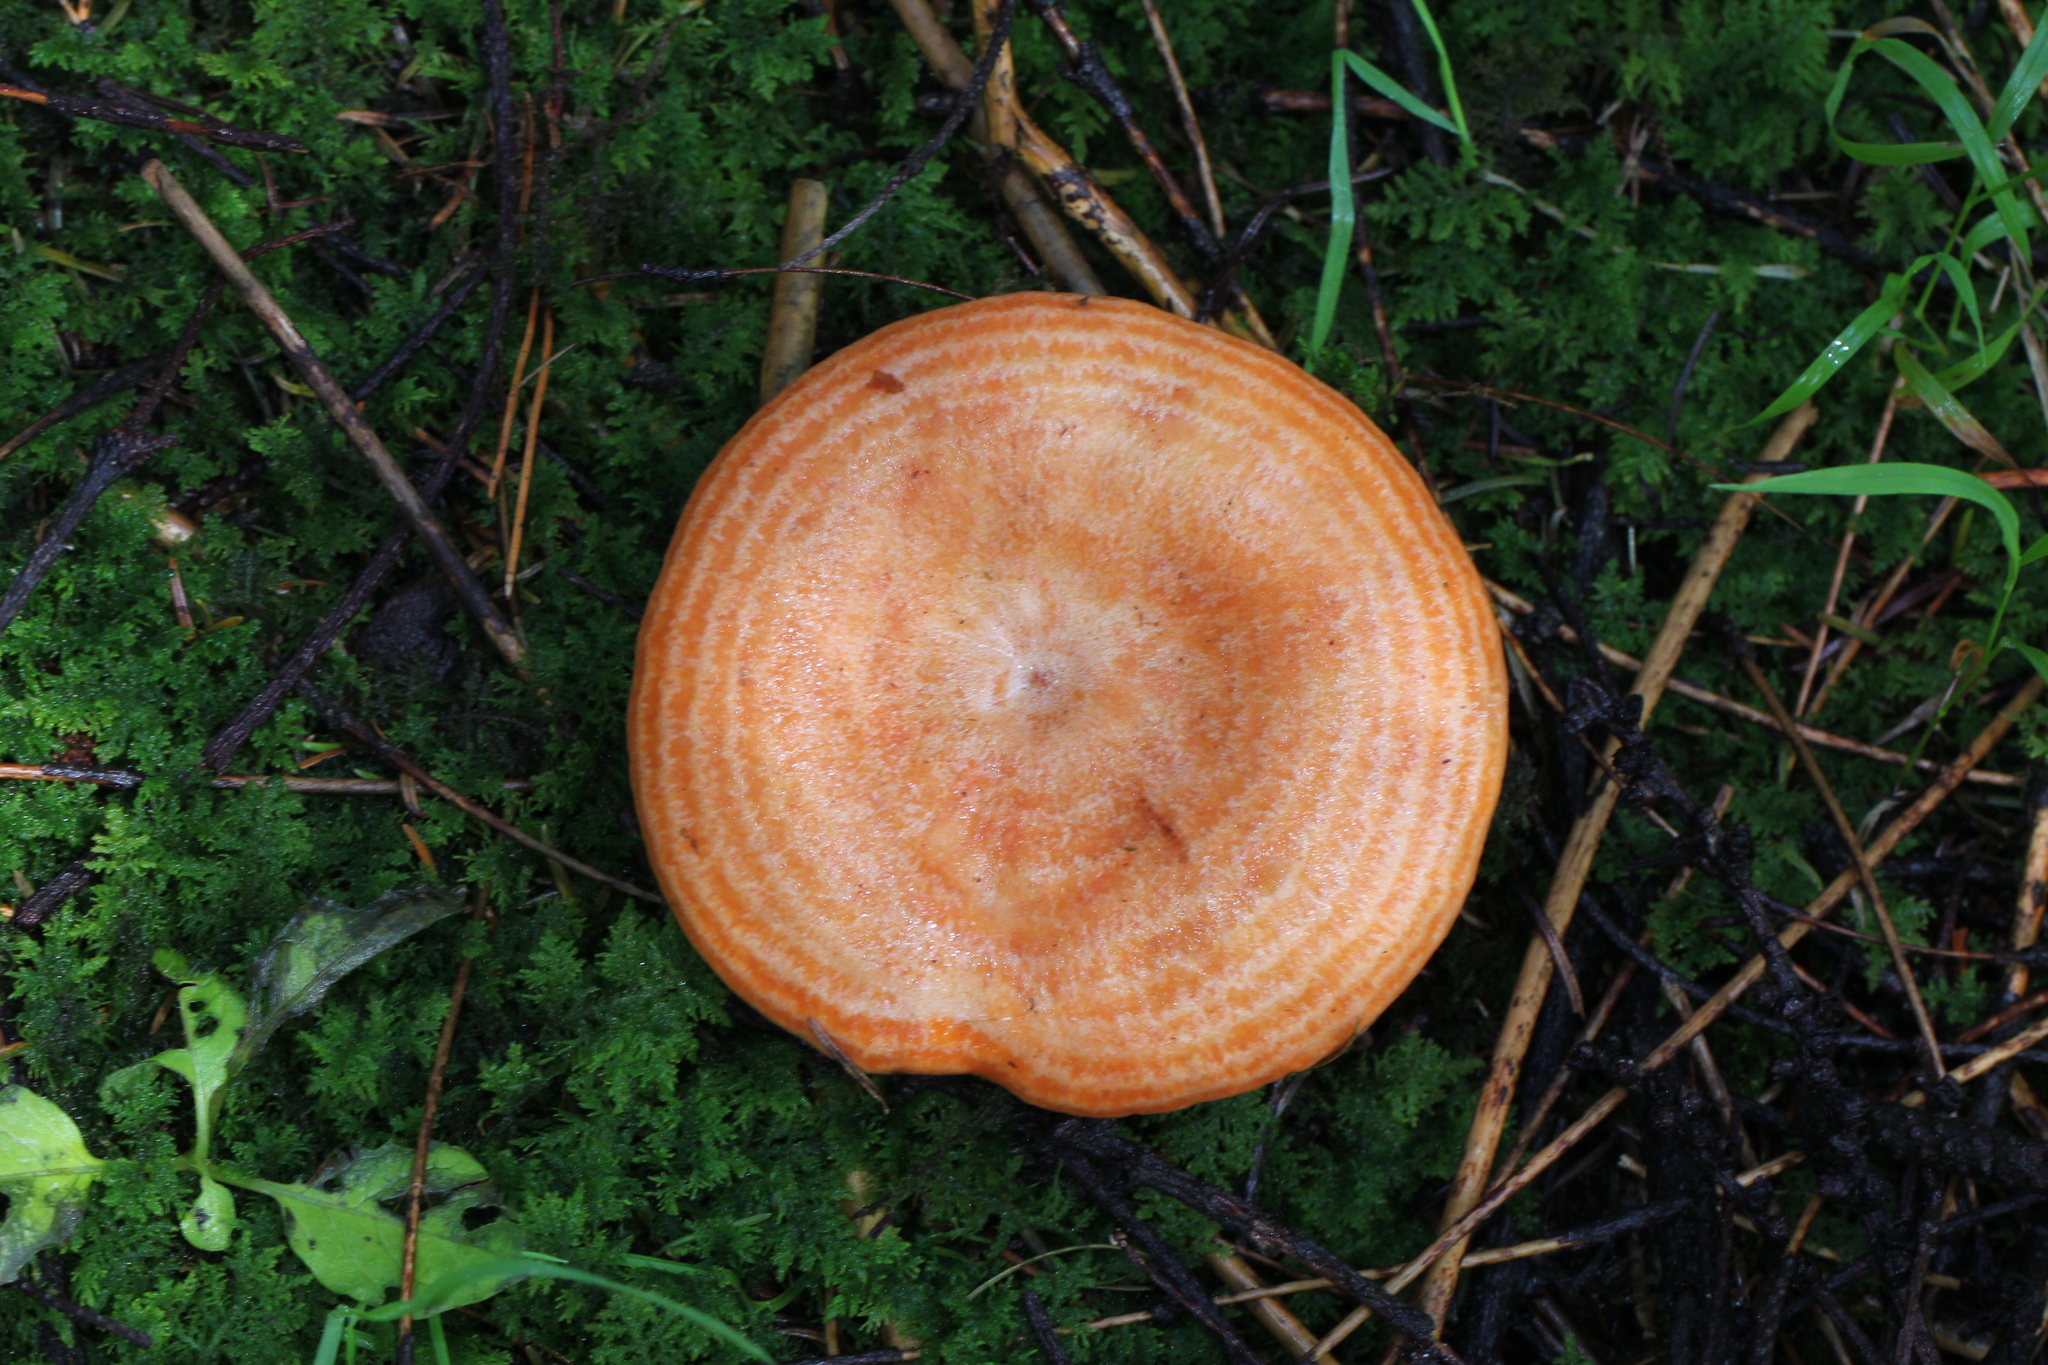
(526, 459)
(1728, 706)
(1520, 1251)
(1071, 184)
(793, 316)
(1935, 521)
(1188, 122)
(1057, 253)
(1483, 1138)
(344, 413)
(1846, 827)
(1273, 1315)
(512, 392)
(415, 1191)
(1820, 634)
(1984, 1061)
(1534, 1123)
(1876, 851)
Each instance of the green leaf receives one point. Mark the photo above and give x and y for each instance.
(1881, 480)
(213, 1015)
(2038, 550)
(1840, 351)
(354, 1246)
(445, 1292)
(1948, 97)
(1343, 213)
(1970, 370)
(2026, 78)
(1443, 67)
(1945, 406)
(45, 1171)
(2035, 657)
(323, 943)
(1394, 90)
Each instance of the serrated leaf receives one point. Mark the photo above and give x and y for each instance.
(45, 1172)
(354, 1245)
(325, 942)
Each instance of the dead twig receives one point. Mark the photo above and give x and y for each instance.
(1845, 827)
(211, 129)
(344, 412)
(1576, 862)
(793, 313)
(416, 1189)
(363, 734)
(1077, 191)
(1057, 254)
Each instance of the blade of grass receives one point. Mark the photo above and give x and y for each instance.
(1945, 406)
(2026, 78)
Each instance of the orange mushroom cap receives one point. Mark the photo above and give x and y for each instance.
(1051, 689)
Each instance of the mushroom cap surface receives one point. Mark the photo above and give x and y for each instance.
(1051, 689)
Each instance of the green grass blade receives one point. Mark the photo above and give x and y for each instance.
(1879, 153)
(2020, 86)
(1903, 479)
(340, 1319)
(1970, 370)
(1948, 96)
(1949, 410)
(2035, 656)
(1393, 90)
(427, 1300)
(1838, 352)
(1443, 66)
(2037, 551)
(1343, 213)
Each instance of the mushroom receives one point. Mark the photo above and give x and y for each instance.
(1051, 689)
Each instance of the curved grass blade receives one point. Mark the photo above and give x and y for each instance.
(1343, 213)
(2026, 78)
(1880, 480)
(449, 1289)
(1443, 66)
(1970, 370)
(1838, 352)
(1395, 91)
(1879, 153)
(1948, 409)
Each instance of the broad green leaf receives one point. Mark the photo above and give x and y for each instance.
(209, 1223)
(1840, 351)
(354, 1245)
(1879, 480)
(445, 1292)
(323, 943)
(45, 1171)
(213, 1015)
(2026, 78)
(2034, 656)
(1962, 424)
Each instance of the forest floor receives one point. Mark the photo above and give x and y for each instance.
(320, 858)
